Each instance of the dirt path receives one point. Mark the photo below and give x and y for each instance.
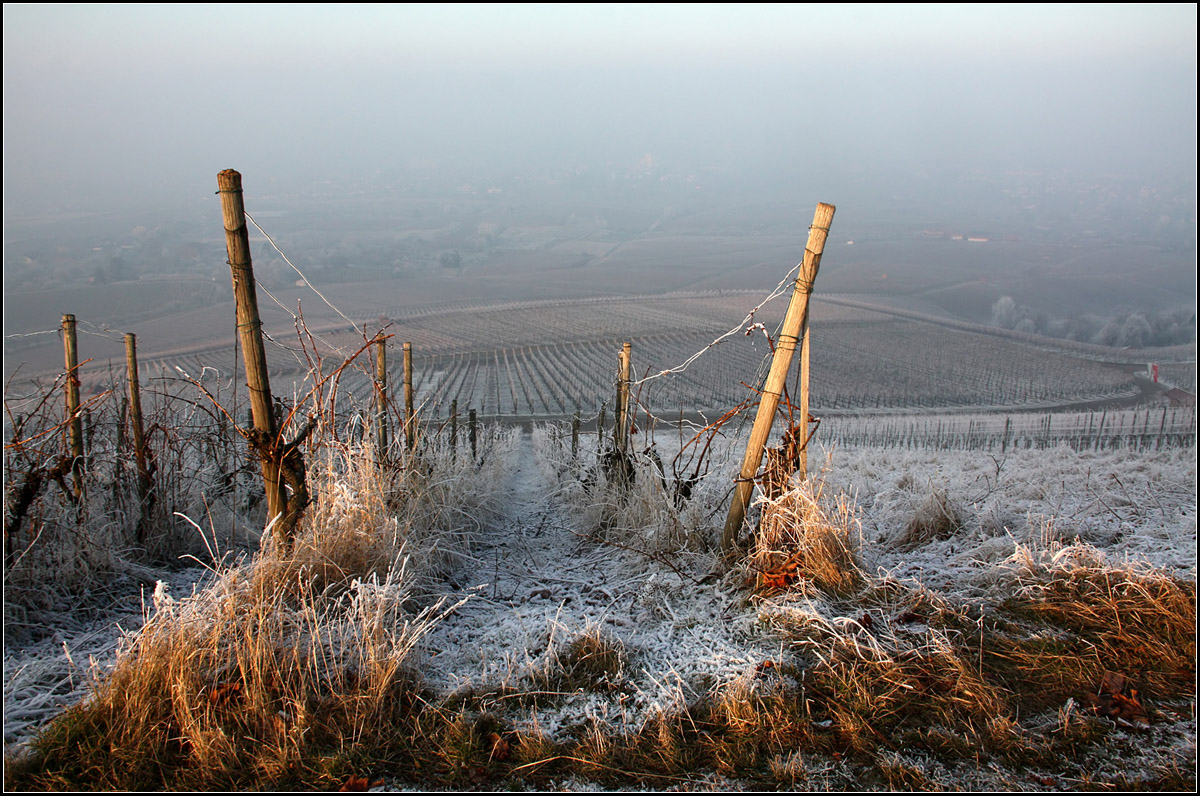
(536, 585)
(531, 579)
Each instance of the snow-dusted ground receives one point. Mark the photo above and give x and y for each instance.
(538, 583)
(535, 581)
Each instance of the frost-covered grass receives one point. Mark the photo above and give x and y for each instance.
(904, 620)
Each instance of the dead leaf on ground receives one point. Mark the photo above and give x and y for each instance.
(357, 783)
(1110, 701)
(225, 693)
(500, 747)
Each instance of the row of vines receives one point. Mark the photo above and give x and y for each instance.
(890, 365)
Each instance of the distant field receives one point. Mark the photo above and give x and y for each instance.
(551, 358)
(533, 332)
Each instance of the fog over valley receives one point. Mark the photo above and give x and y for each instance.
(1033, 170)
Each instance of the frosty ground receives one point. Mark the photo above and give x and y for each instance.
(558, 565)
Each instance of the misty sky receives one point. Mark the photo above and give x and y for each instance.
(108, 105)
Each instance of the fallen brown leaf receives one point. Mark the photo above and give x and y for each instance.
(356, 783)
(1110, 702)
(500, 747)
(225, 693)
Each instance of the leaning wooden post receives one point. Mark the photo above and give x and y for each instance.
(74, 416)
(135, 421)
(409, 410)
(237, 242)
(785, 346)
(381, 383)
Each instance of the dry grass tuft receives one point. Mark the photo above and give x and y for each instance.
(938, 517)
(750, 721)
(871, 690)
(224, 688)
(1079, 618)
(591, 661)
(799, 539)
(289, 666)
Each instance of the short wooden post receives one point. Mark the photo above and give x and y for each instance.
(135, 421)
(575, 436)
(237, 242)
(600, 429)
(410, 427)
(471, 434)
(74, 416)
(785, 346)
(453, 428)
(381, 385)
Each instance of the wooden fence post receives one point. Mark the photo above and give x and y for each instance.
(785, 346)
(139, 438)
(453, 429)
(621, 411)
(600, 430)
(802, 462)
(74, 416)
(471, 434)
(575, 436)
(381, 385)
(409, 410)
(266, 436)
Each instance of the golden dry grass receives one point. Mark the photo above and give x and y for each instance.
(299, 671)
(801, 539)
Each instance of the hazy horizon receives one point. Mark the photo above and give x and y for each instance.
(129, 106)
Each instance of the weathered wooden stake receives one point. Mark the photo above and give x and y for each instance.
(237, 242)
(410, 427)
(471, 434)
(802, 462)
(74, 416)
(785, 346)
(621, 428)
(139, 438)
(381, 385)
(575, 436)
(453, 429)
(600, 429)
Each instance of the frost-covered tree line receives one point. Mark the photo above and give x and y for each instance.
(1139, 329)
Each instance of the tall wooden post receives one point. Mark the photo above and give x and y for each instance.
(409, 410)
(135, 421)
(453, 429)
(785, 346)
(621, 429)
(802, 462)
(381, 385)
(237, 243)
(74, 416)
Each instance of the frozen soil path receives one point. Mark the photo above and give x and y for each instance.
(537, 582)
